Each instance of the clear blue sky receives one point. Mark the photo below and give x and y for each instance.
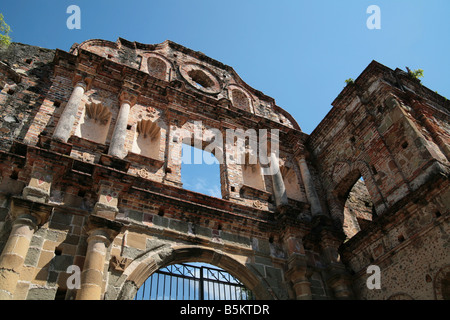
(298, 52)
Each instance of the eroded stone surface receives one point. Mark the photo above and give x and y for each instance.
(120, 213)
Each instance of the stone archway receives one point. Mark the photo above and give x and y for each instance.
(442, 284)
(343, 177)
(143, 267)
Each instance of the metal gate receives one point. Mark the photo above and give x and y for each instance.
(192, 282)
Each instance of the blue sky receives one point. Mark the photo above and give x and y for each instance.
(298, 52)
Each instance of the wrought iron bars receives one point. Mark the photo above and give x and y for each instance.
(192, 282)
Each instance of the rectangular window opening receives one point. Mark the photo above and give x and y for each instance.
(200, 171)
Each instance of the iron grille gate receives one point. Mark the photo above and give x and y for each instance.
(192, 282)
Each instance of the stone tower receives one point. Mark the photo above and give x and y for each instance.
(90, 165)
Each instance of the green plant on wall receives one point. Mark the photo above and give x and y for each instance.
(415, 74)
(441, 96)
(349, 81)
(5, 39)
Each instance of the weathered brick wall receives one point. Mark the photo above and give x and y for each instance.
(134, 55)
(76, 180)
(376, 130)
(387, 145)
(410, 250)
(25, 77)
(134, 211)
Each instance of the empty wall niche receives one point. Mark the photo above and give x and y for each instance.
(252, 176)
(240, 100)
(94, 123)
(157, 68)
(291, 183)
(147, 139)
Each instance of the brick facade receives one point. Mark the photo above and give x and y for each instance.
(90, 163)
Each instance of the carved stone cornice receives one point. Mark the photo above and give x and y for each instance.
(84, 79)
(101, 227)
(40, 211)
(129, 96)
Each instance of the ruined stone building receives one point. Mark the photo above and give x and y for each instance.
(90, 179)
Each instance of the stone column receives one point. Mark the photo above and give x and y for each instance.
(92, 274)
(13, 255)
(117, 146)
(101, 232)
(341, 284)
(311, 193)
(297, 266)
(29, 216)
(67, 119)
(279, 190)
(337, 276)
(297, 274)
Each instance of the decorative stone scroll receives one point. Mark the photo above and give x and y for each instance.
(98, 112)
(148, 128)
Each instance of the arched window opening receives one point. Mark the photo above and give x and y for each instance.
(94, 123)
(193, 281)
(201, 78)
(200, 171)
(358, 209)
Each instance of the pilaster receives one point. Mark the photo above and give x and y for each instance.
(101, 233)
(27, 216)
